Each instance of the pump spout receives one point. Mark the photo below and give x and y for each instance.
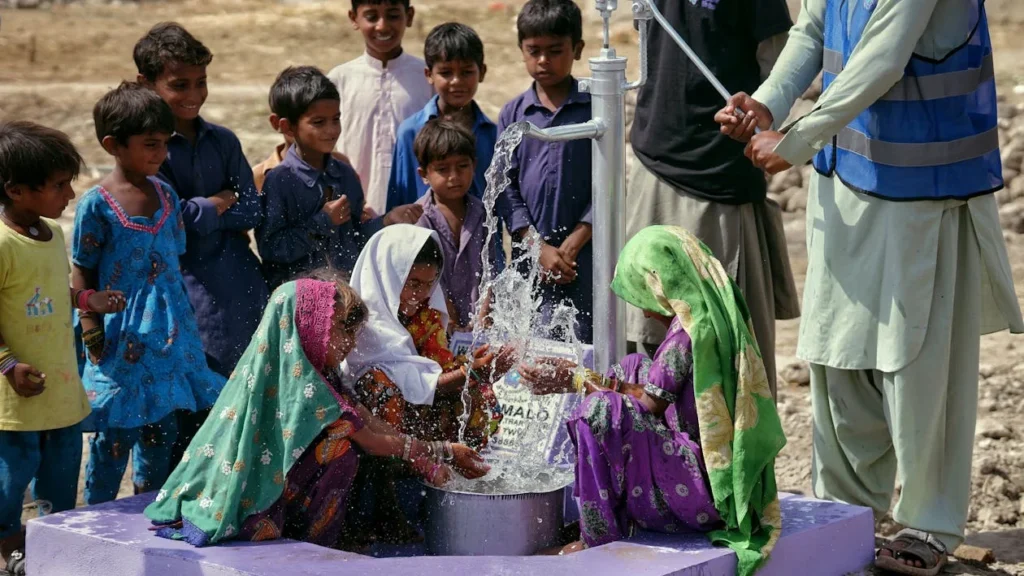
(591, 130)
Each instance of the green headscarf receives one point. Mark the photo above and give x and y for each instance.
(273, 407)
(665, 269)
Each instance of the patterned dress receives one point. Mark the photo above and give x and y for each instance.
(439, 421)
(153, 361)
(275, 459)
(316, 489)
(635, 469)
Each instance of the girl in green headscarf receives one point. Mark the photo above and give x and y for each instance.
(687, 440)
(281, 448)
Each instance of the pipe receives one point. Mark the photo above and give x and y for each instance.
(590, 129)
(607, 100)
(644, 24)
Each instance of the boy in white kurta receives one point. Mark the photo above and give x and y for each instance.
(897, 292)
(379, 90)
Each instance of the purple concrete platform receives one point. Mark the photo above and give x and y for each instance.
(114, 540)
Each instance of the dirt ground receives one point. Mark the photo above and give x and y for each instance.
(54, 65)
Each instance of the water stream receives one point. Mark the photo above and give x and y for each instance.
(517, 321)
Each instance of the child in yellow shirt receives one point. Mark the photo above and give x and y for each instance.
(42, 402)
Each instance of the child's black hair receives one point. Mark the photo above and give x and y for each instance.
(440, 139)
(558, 18)
(453, 41)
(430, 254)
(30, 154)
(297, 88)
(129, 110)
(357, 3)
(165, 43)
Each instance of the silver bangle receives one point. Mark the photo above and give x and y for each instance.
(407, 450)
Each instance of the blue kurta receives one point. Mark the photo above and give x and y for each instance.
(297, 236)
(222, 275)
(550, 191)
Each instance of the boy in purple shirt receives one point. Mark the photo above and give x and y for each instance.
(550, 189)
(313, 201)
(219, 203)
(446, 152)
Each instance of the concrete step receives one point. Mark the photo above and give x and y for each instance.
(820, 538)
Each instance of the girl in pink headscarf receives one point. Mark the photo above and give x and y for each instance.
(279, 453)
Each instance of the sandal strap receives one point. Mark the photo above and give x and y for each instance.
(924, 537)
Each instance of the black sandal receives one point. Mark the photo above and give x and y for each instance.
(16, 564)
(913, 546)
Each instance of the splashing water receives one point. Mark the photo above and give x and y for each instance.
(516, 320)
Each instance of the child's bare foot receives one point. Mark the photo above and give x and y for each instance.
(571, 548)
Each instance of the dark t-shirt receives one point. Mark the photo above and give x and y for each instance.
(674, 132)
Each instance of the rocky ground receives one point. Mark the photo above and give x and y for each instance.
(58, 61)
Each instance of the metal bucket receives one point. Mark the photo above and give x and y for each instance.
(465, 524)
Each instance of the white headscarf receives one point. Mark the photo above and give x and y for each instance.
(383, 343)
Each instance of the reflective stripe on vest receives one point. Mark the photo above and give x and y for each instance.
(934, 87)
(933, 135)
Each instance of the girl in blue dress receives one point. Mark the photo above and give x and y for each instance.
(147, 361)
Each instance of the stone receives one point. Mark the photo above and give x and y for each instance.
(797, 202)
(798, 373)
(993, 429)
(1013, 155)
(1016, 187)
(990, 467)
(969, 553)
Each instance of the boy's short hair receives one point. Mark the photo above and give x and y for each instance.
(129, 110)
(357, 3)
(297, 88)
(550, 18)
(30, 154)
(165, 43)
(440, 139)
(453, 41)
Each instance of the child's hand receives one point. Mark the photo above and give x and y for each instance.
(557, 268)
(506, 359)
(548, 376)
(107, 301)
(408, 214)
(368, 214)
(468, 463)
(338, 210)
(27, 381)
(223, 201)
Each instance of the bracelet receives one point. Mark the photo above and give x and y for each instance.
(93, 337)
(407, 449)
(448, 452)
(7, 360)
(82, 300)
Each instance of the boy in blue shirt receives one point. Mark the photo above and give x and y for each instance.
(551, 183)
(219, 204)
(454, 57)
(314, 201)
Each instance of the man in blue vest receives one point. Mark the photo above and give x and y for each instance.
(906, 261)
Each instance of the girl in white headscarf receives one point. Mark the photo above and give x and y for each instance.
(403, 369)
